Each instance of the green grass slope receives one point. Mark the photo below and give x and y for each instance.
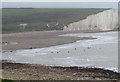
(42, 19)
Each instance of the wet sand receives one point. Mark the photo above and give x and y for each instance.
(39, 39)
(17, 71)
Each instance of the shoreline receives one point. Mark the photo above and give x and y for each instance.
(33, 71)
(50, 72)
(40, 39)
(77, 39)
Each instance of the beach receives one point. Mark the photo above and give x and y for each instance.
(69, 55)
(39, 39)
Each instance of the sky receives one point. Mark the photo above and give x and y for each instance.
(60, 4)
(60, 0)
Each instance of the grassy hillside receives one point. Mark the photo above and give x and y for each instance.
(41, 19)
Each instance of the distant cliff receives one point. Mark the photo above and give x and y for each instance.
(106, 20)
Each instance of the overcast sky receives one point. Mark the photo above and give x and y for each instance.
(60, 0)
(60, 4)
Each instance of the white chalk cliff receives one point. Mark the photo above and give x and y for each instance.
(106, 20)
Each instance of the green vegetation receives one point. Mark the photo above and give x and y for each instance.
(6, 80)
(41, 19)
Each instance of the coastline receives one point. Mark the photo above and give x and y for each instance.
(10, 70)
(41, 39)
(38, 39)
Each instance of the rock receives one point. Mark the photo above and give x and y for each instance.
(74, 74)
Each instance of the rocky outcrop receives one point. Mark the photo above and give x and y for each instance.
(106, 20)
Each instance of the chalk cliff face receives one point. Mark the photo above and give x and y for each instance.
(106, 20)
